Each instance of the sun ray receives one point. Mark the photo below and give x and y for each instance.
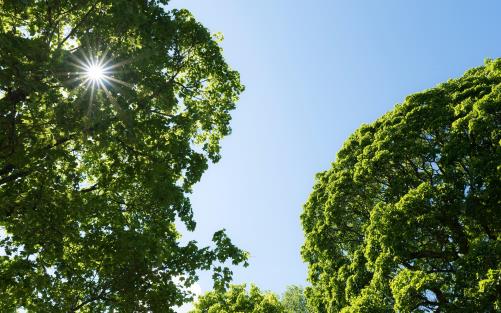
(114, 101)
(116, 64)
(87, 59)
(121, 82)
(103, 61)
(91, 97)
(95, 73)
(80, 66)
(75, 79)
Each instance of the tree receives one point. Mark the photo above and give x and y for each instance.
(408, 217)
(294, 300)
(109, 113)
(238, 300)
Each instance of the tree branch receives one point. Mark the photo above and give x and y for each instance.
(90, 188)
(73, 30)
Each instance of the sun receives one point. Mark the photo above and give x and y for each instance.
(95, 72)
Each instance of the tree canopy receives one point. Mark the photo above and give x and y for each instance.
(238, 300)
(408, 217)
(294, 300)
(95, 176)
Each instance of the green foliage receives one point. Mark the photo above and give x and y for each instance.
(92, 183)
(408, 218)
(238, 300)
(294, 300)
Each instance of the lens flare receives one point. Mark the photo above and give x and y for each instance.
(95, 72)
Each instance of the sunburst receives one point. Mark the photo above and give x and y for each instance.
(96, 73)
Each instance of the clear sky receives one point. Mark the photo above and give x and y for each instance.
(314, 72)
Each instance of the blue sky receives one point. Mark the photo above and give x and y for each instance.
(314, 72)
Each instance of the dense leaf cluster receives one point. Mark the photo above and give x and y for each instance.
(238, 300)
(408, 218)
(93, 182)
(294, 300)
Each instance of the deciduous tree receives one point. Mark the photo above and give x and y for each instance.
(109, 113)
(238, 300)
(408, 217)
(294, 300)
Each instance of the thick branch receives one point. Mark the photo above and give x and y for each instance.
(74, 29)
(91, 299)
(90, 188)
(14, 176)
